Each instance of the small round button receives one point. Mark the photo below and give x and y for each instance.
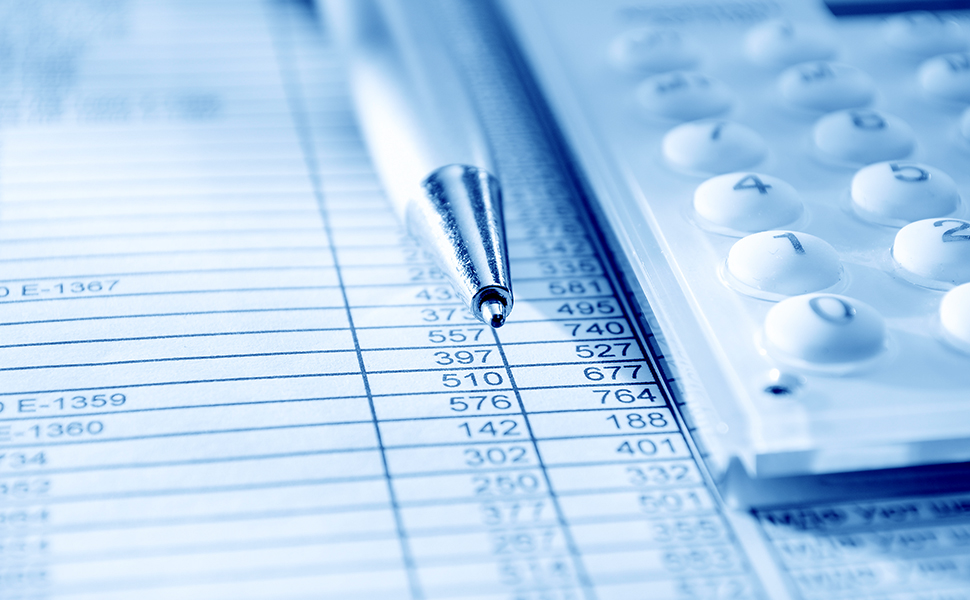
(779, 43)
(947, 77)
(653, 50)
(863, 136)
(934, 252)
(683, 95)
(923, 34)
(746, 202)
(826, 86)
(965, 124)
(782, 263)
(955, 316)
(897, 193)
(713, 147)
(825, 329)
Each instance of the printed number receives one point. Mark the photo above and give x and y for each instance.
(824, 307)
(580, 288)
(95, 401)
(615, 350)
(637, 421)
(645, 447)
(431, 315)
(669, 502)
(625, 396)
(74, 429)
(868, 120)
(909, 172)
(610, 372)
(716, 131)
(607, 328)
(504, 428)
(462, 357)
(657, 474)
(522, 483)
(438, 294)
(948, 235)
(816, 72)
(22, 460)
(603, 307)
(488, 378)
(755, 184)
(455, 336)
(475, 457)
(463, 403)
(958, 62)
(797, 245)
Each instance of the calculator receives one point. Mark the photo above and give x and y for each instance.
(788, 185)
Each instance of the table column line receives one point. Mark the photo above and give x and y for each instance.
(294, 87)
(582, 576)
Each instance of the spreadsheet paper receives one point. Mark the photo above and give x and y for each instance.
(228, 373)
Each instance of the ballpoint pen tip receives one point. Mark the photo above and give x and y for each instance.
(493, 313)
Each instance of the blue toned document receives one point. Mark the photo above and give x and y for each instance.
(227, 373)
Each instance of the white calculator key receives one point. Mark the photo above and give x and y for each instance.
(746, 202)
(825, 329)
(785, 263)
(826, 86)
(965, 124)
(713, 147)
(683, 95)
(653, 50)
(897, 193)
(781, 43)
(923, 34)
(863, 136)
(932, 252)
(947, 77)
(955, 316)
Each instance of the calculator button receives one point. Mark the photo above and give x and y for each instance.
(653, 50)
(826, 86)
(713, 147)
(781, 43)
(897, 193)
(947, 77)
(683, 95)
(863, 136)
(785, 263)
(965, 124)
(923, 34)
(934, 252)
(825, 329)
(746, 202)
(955, 316)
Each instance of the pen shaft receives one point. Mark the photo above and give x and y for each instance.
(423, 132)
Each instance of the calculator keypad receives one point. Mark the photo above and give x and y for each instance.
(826, 86)
(705, 147)
(947, 77)
(955, 317)
(778, 209)
(774, 264)
(897, 193)
(863, 136)
(825, 329)
(923, 34)
(934, 252)
(653, 50)
(781, 43)
(683, 96)
(741, 202)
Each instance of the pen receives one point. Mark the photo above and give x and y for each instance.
(424, 136)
